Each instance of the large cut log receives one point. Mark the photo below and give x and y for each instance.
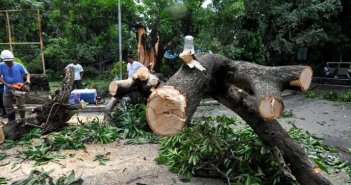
(48, 117)
(266, 83)
(170, 106)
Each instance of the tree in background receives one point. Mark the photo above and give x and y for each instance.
(266, 32)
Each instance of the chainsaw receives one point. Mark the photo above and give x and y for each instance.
(20, 89)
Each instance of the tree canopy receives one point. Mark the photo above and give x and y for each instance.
(266, 32)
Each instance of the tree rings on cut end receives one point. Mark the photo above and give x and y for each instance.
(165, 111)
(113, 87)
(305, 79)
(142, 74)
(270, 108)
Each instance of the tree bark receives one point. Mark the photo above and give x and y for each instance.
(296, 163)
(142, 81)
(49, 117)
(252, 91)
(147, 46)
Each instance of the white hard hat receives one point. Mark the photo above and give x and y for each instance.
(7, 55)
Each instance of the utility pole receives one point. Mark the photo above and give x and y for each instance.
(120, 40)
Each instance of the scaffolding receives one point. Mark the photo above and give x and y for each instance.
(9, 30)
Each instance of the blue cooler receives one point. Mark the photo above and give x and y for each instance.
(87, 95)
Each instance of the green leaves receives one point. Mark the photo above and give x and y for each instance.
(74, 137)
(130, 120)
(39, 177)
(41, 153)
(3, 155)
(217, 145)
(288, 114)
(3, 180)
(102, 158)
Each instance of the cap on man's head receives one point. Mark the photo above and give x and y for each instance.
(7, 55)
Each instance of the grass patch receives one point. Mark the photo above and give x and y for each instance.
(216, 147)
(331, 95)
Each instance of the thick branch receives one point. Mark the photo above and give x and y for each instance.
(273, 135)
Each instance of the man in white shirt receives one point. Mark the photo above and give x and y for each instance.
(132, 66)
(78, 73)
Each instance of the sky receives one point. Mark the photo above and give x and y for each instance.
(206, 3)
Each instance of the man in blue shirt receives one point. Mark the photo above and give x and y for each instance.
(12, 73)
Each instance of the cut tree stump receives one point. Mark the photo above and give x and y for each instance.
(252, 91)
(48, 117)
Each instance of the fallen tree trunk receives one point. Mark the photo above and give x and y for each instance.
(142, 81)
(49, 117)
(252, 91)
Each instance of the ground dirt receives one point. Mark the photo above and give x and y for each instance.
(132, 164)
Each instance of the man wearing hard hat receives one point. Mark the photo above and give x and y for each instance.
(12, 73)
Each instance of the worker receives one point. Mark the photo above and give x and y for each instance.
(78, 73)
(11, 73)
(132, 66)
(2, 108)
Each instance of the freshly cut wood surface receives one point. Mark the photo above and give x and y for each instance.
(120, 87)
(305, 79)
(113, 87)
(166, 111)
(142, 74)
(270, 108)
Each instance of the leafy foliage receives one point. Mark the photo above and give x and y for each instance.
(131, 121)
(39, 177)
(288, 114)
(3, 155)
(3, 180)
(102, 158)
(74, 137)
(92, 132)
(218, 147)
(41, 153)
